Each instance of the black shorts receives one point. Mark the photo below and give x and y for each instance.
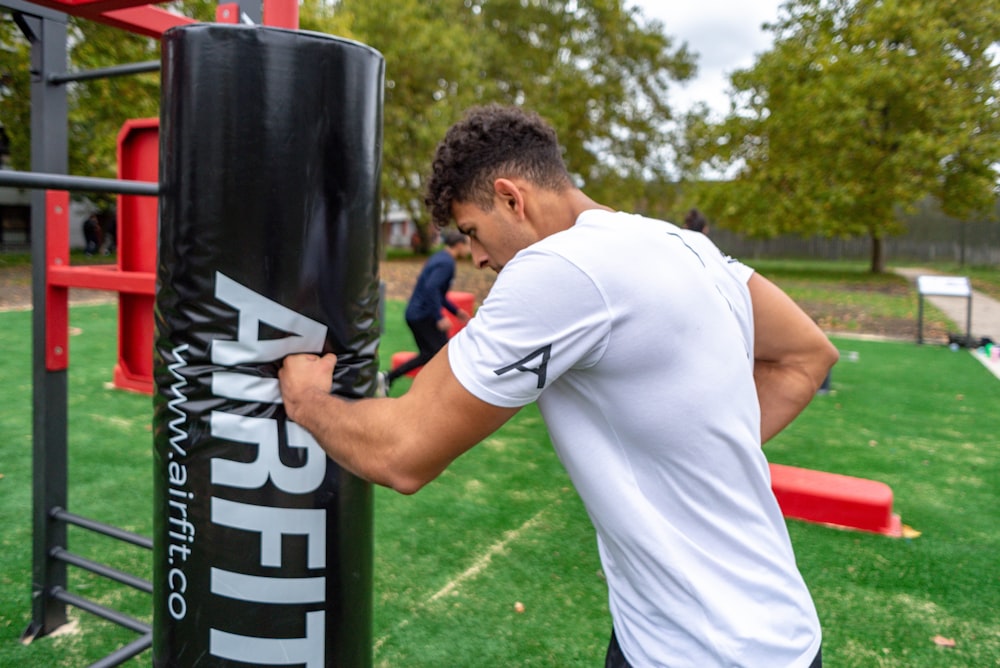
(615, 658)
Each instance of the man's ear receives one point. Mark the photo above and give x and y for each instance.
(510, 196)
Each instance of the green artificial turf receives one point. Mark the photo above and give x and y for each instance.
(503, 524)
(926, 421)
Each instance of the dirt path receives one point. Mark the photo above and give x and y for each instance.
(399, 277)
(15, 291)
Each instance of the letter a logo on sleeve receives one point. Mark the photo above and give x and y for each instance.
(522, 364)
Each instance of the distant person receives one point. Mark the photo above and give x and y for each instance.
(110, 228)
(694, 220)
(423, 311)
(91, 234)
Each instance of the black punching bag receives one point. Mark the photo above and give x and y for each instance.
(270, 152)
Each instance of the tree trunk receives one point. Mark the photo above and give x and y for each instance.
(420, 242)
(878, 255)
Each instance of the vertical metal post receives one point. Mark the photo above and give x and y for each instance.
(968, 318)
(253, 9)
(920, 318)
(49, 150)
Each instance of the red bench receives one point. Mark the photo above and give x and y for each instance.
(834, 499)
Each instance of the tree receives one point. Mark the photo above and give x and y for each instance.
(861, 107)
(600, 73)
(15, 109)
(97, 108)
(430, 54)
(594, 69)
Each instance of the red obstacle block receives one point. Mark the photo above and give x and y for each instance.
(837, 500)
(138, 159)
(401, 358)
(465, 301)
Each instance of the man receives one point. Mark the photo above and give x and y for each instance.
(430, 295)
(694, 220)
(659, 366)
(92, 234)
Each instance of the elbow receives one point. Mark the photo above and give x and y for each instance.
(407, 487)
(830, 355)
(398, 479)
(406, 475)
(825, 357)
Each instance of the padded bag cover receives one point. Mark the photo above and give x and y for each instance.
(269, 167)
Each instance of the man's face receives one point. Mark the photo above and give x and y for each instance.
(495, 236)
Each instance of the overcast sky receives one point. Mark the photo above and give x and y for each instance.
(724, 34)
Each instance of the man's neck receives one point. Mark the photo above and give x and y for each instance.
(558, 211)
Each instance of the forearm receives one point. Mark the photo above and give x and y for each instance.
(783, 392)
(351, 434)
(792, 356)
(371, 438)
(402, 443)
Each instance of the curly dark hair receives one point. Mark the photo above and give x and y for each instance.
(491, 142)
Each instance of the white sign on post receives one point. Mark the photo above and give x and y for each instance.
(944, 286)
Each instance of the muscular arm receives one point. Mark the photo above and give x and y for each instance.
(402, 443)
(791, 356)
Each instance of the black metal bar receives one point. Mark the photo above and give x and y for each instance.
(42, 180)
(100, 527)
(102, 569)
(251, 10)
(118, 657)
(31, 9)
(49, 153)
(106, 72)
(101, 611)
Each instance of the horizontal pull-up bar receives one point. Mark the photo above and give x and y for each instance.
(118, 657)
(106, 72)
(77, 183)
(103, 570)
(101, 611)
(101, 528)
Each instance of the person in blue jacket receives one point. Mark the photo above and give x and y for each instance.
(423, 312)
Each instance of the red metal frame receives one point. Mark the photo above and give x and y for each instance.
(134, 276)
(143, 18)
(135, 16)
(138, 160)
(56, 295)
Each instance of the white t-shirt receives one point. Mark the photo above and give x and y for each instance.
(636, 339)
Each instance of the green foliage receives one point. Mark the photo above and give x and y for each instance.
(97, 108)
(430, 51)
(597, 72)
(860, 107)
(593, 68)
(15, 96)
